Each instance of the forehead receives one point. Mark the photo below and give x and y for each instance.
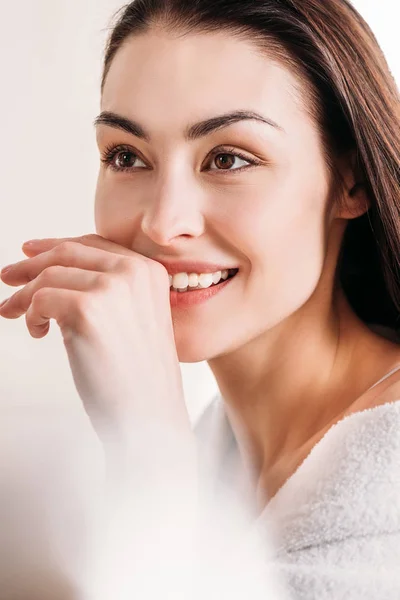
(156, 73)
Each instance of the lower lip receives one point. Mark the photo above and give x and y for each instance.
(197, 296)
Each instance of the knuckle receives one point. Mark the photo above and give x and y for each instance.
(104, 281)
(132, 271)
(39, 295)
(83, 311)
(159, 270)
(145, 271)
(64, 249)
(108, 282)
(127, 266)
(84, 305)
(157, 273)
(49, 272)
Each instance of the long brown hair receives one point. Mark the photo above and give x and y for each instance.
(352, 97)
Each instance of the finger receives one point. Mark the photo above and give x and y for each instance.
(91, 239)
(66, 254)
(54, 303)
(55, 276)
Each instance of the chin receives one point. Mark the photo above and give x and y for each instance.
(191, 352)
(199, 348)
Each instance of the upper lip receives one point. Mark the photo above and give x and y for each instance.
(192, 266)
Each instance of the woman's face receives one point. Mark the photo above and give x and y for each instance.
(183, 199)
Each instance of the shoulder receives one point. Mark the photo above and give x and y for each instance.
(386, 388)
(349, 485)
(388, 393)
(339, 516)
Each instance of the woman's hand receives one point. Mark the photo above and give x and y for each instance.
(112, 306)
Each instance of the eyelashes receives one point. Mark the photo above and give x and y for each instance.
(112, 152)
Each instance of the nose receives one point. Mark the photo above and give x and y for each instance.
(172, 212)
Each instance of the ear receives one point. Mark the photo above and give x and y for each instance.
(355, 201)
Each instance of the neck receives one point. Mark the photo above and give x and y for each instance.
(284, 387)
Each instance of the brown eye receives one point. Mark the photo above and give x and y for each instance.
(229, 160)
(225, 161)
(120, 159)
(124, 159)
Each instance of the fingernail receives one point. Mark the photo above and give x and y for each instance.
(7, 268)
(31, 243)
(4, 301)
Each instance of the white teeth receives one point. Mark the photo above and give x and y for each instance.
(193, 280)
(217, 276)
(206, 280)
(182, 281)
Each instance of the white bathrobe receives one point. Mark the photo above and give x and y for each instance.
(333, 529)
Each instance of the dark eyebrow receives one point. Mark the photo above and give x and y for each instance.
(193, 132)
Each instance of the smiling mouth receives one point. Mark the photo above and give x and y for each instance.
(231, 274)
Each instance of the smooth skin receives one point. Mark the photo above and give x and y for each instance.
(288, 353)
(112, 307)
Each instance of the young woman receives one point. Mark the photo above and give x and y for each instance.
(251, 151)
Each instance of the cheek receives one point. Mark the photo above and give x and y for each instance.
(283, 236)
(103, 214)
(102, 206)
(276, 225)
(295, 256)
